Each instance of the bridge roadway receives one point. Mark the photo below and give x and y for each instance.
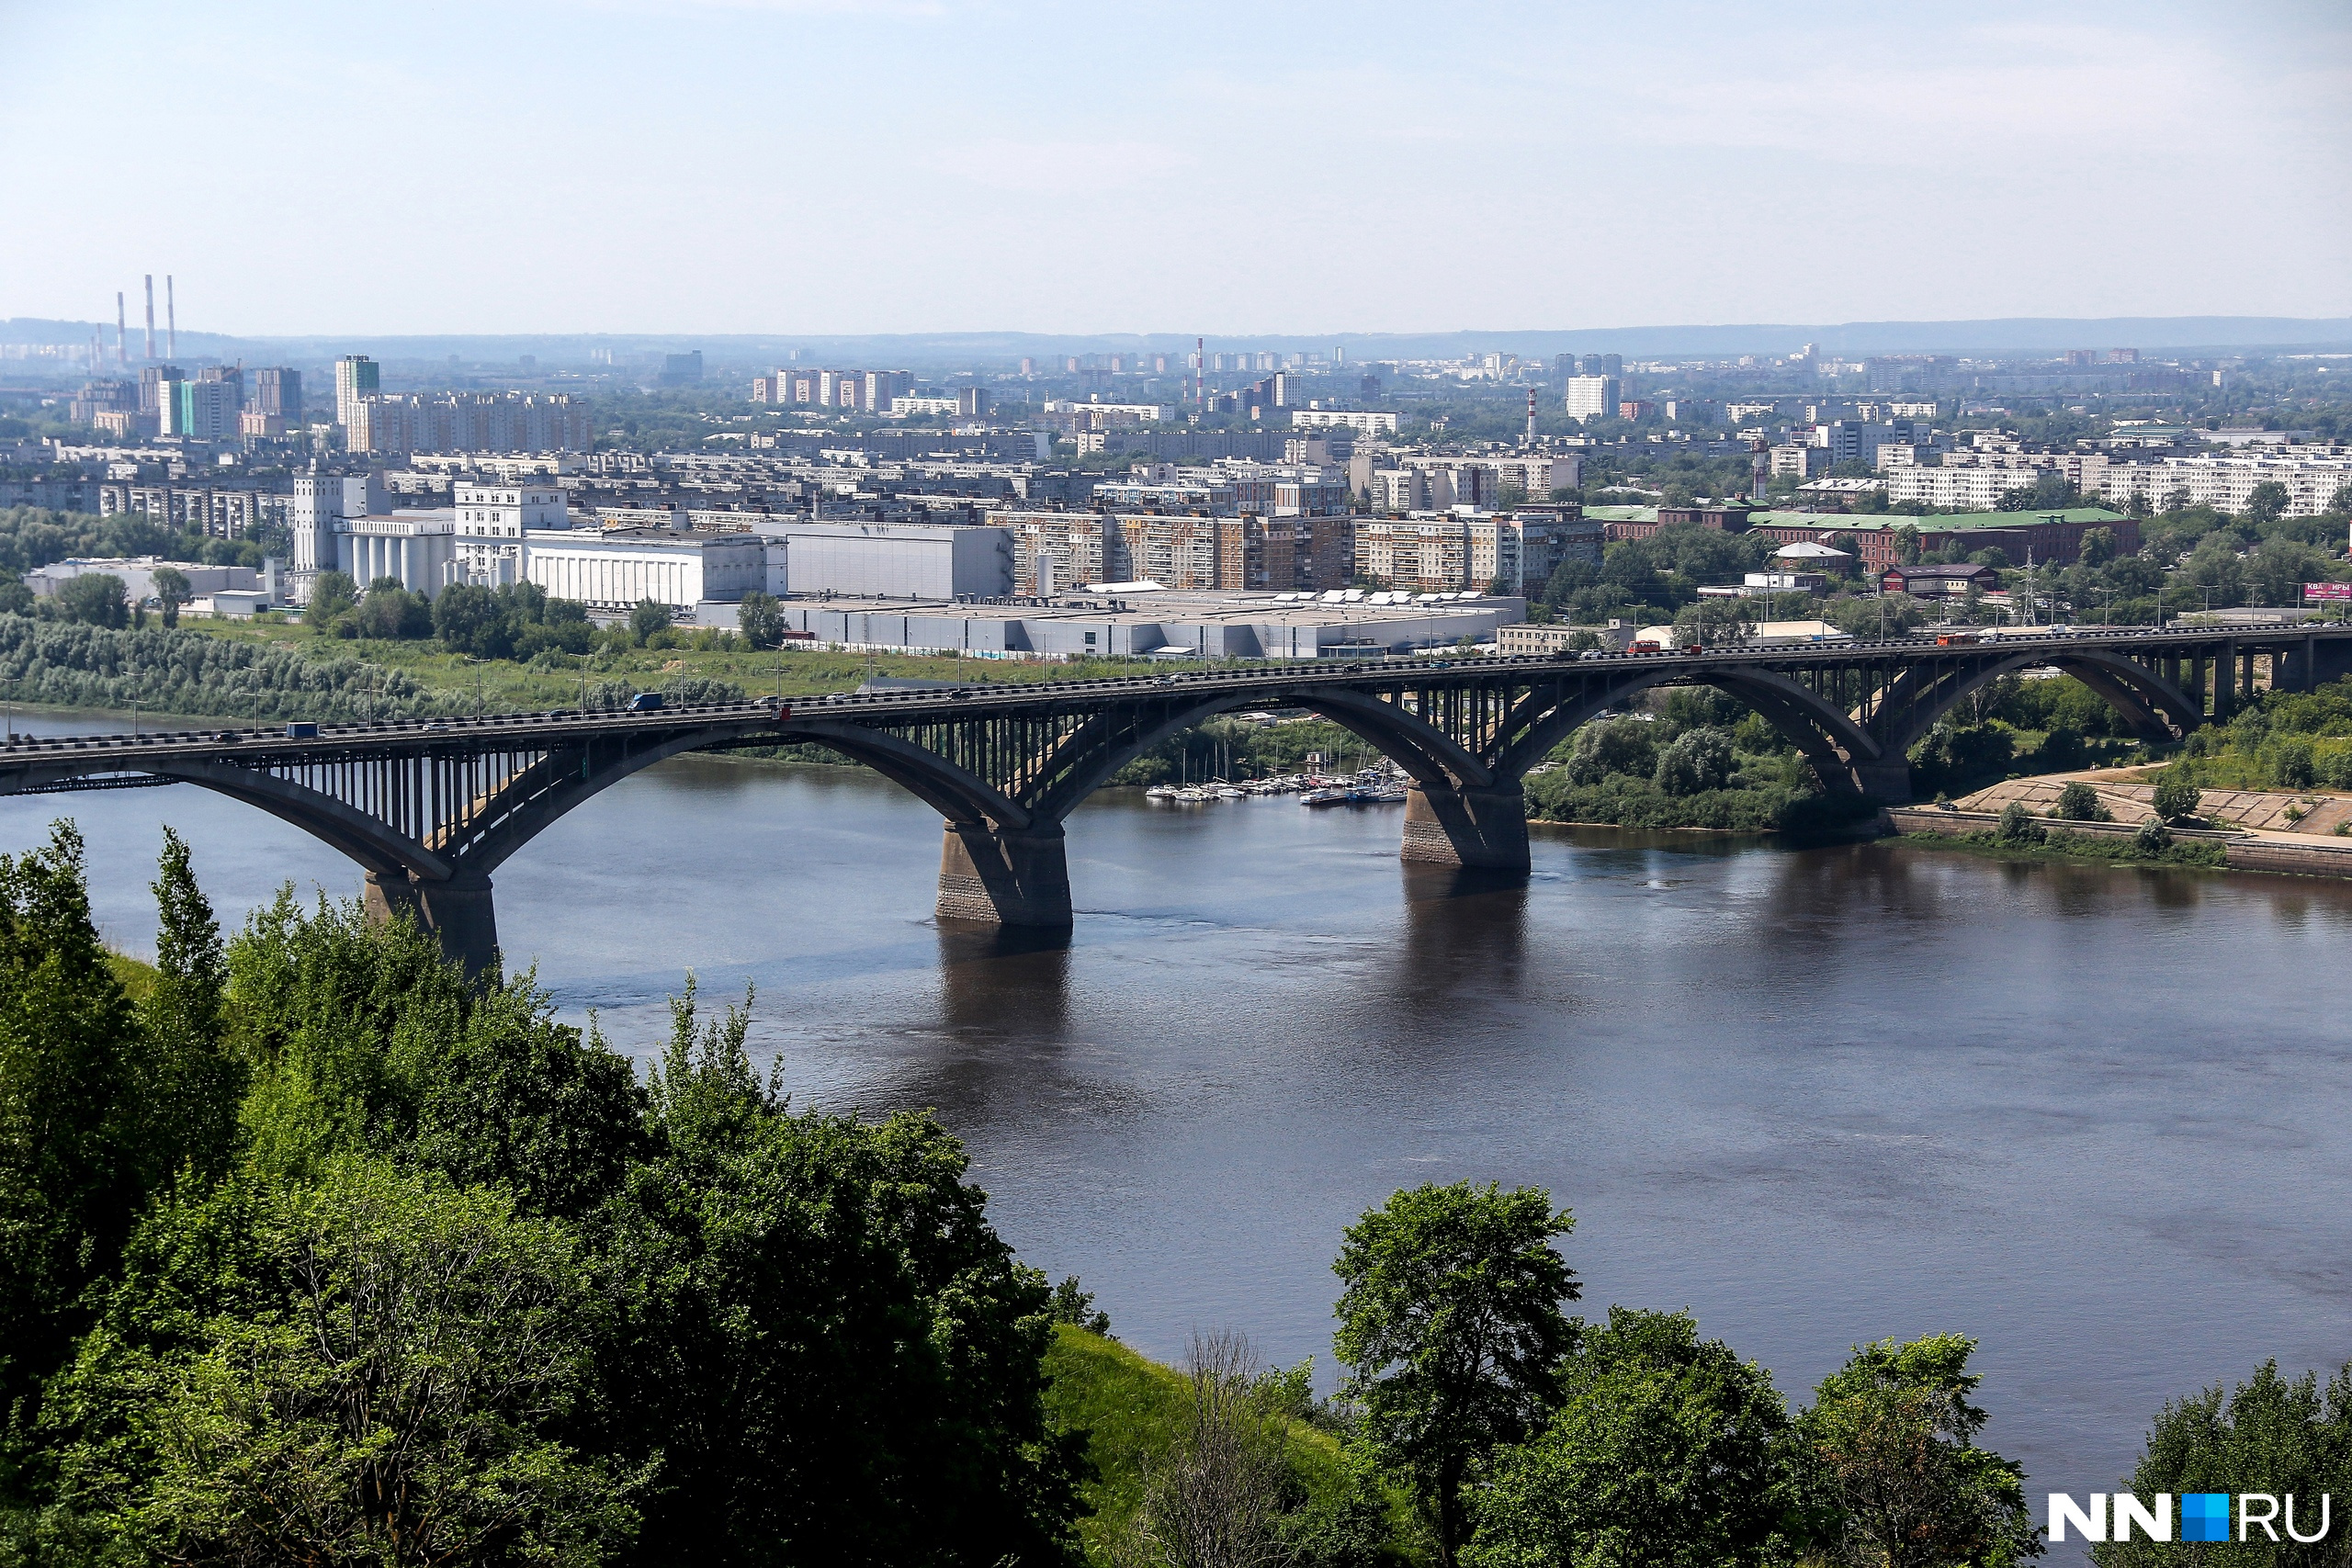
(430, 808)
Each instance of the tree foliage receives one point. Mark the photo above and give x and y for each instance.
(371, 1368)
(2286, 1437)
(1452, 1329)
(1892, 1469)
(1666, 1452)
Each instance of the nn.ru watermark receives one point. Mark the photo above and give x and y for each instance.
(2204, 1516)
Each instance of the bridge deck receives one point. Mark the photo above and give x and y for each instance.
(90, 753)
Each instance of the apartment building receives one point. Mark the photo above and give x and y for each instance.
(2313, 477)
(1467, 550)
(356, 377)
(1593, 397)
(382, 425)
(1367, 422)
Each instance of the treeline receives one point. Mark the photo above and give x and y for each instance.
(1699, 758)
(70, 665)
(2278, 741)
(313, 1252)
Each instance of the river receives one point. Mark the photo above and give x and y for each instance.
(2094, 1118)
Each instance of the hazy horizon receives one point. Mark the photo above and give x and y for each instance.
(834, 168)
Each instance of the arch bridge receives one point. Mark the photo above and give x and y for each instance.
(431, 808)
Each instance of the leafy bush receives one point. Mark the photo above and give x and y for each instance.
(2153, 838)
(1697, 761)
(512, 621)
(2292, 763)
(2079, 802)
(2177, 796)
(1612, 745)
(2018, 825)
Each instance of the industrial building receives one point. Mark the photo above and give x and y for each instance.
(1136, 620)
(918, 561)
(611, 570)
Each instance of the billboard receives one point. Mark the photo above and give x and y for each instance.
(2327, 591)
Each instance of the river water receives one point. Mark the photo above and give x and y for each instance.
(2094, 1118)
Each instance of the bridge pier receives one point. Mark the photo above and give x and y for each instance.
(457, 912)
(1477, 830)
(1000, 877)
(1886, 781)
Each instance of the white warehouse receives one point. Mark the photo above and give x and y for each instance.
(617, 568)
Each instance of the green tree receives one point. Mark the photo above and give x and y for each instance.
(1612, 745)
(2292, 764)
(1696, 761)
(191, 1081)
(649, 617)
(333, 595)
(2267, 502)
(68, 1073)
(367, 1040)
(392, 612)
(2097, 546)
(2016, 826)
(373, 1370)
(761, 619)
(2177, 796)
(833, 1355)
(2275, 1434)
(469, 619)
(2275, 574)
(1452, 1329)
(2079, 802)
(1888, 1459)
(1663, 1454)
(171, 591)
(1907, 544)
(97, 599)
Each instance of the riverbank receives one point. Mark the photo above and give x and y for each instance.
(2118, 843)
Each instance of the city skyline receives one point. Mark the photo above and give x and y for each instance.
(831, 169)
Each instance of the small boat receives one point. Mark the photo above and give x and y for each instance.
(1325, 794)
(1159, 792)
(1228, 792)
(1192, 795)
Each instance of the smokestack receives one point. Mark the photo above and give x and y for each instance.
(151, 315)
(171, 320)
(122, 331)
(1530, 439)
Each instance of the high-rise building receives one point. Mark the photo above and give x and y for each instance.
(355, 377)
(200, 411)
(681, 369)
(1603, 364)
(279, 392)
(152, 380)
(1592, 396)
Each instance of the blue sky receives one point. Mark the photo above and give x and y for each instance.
(839, 166)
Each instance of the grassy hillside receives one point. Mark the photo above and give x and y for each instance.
(1132, 1407)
